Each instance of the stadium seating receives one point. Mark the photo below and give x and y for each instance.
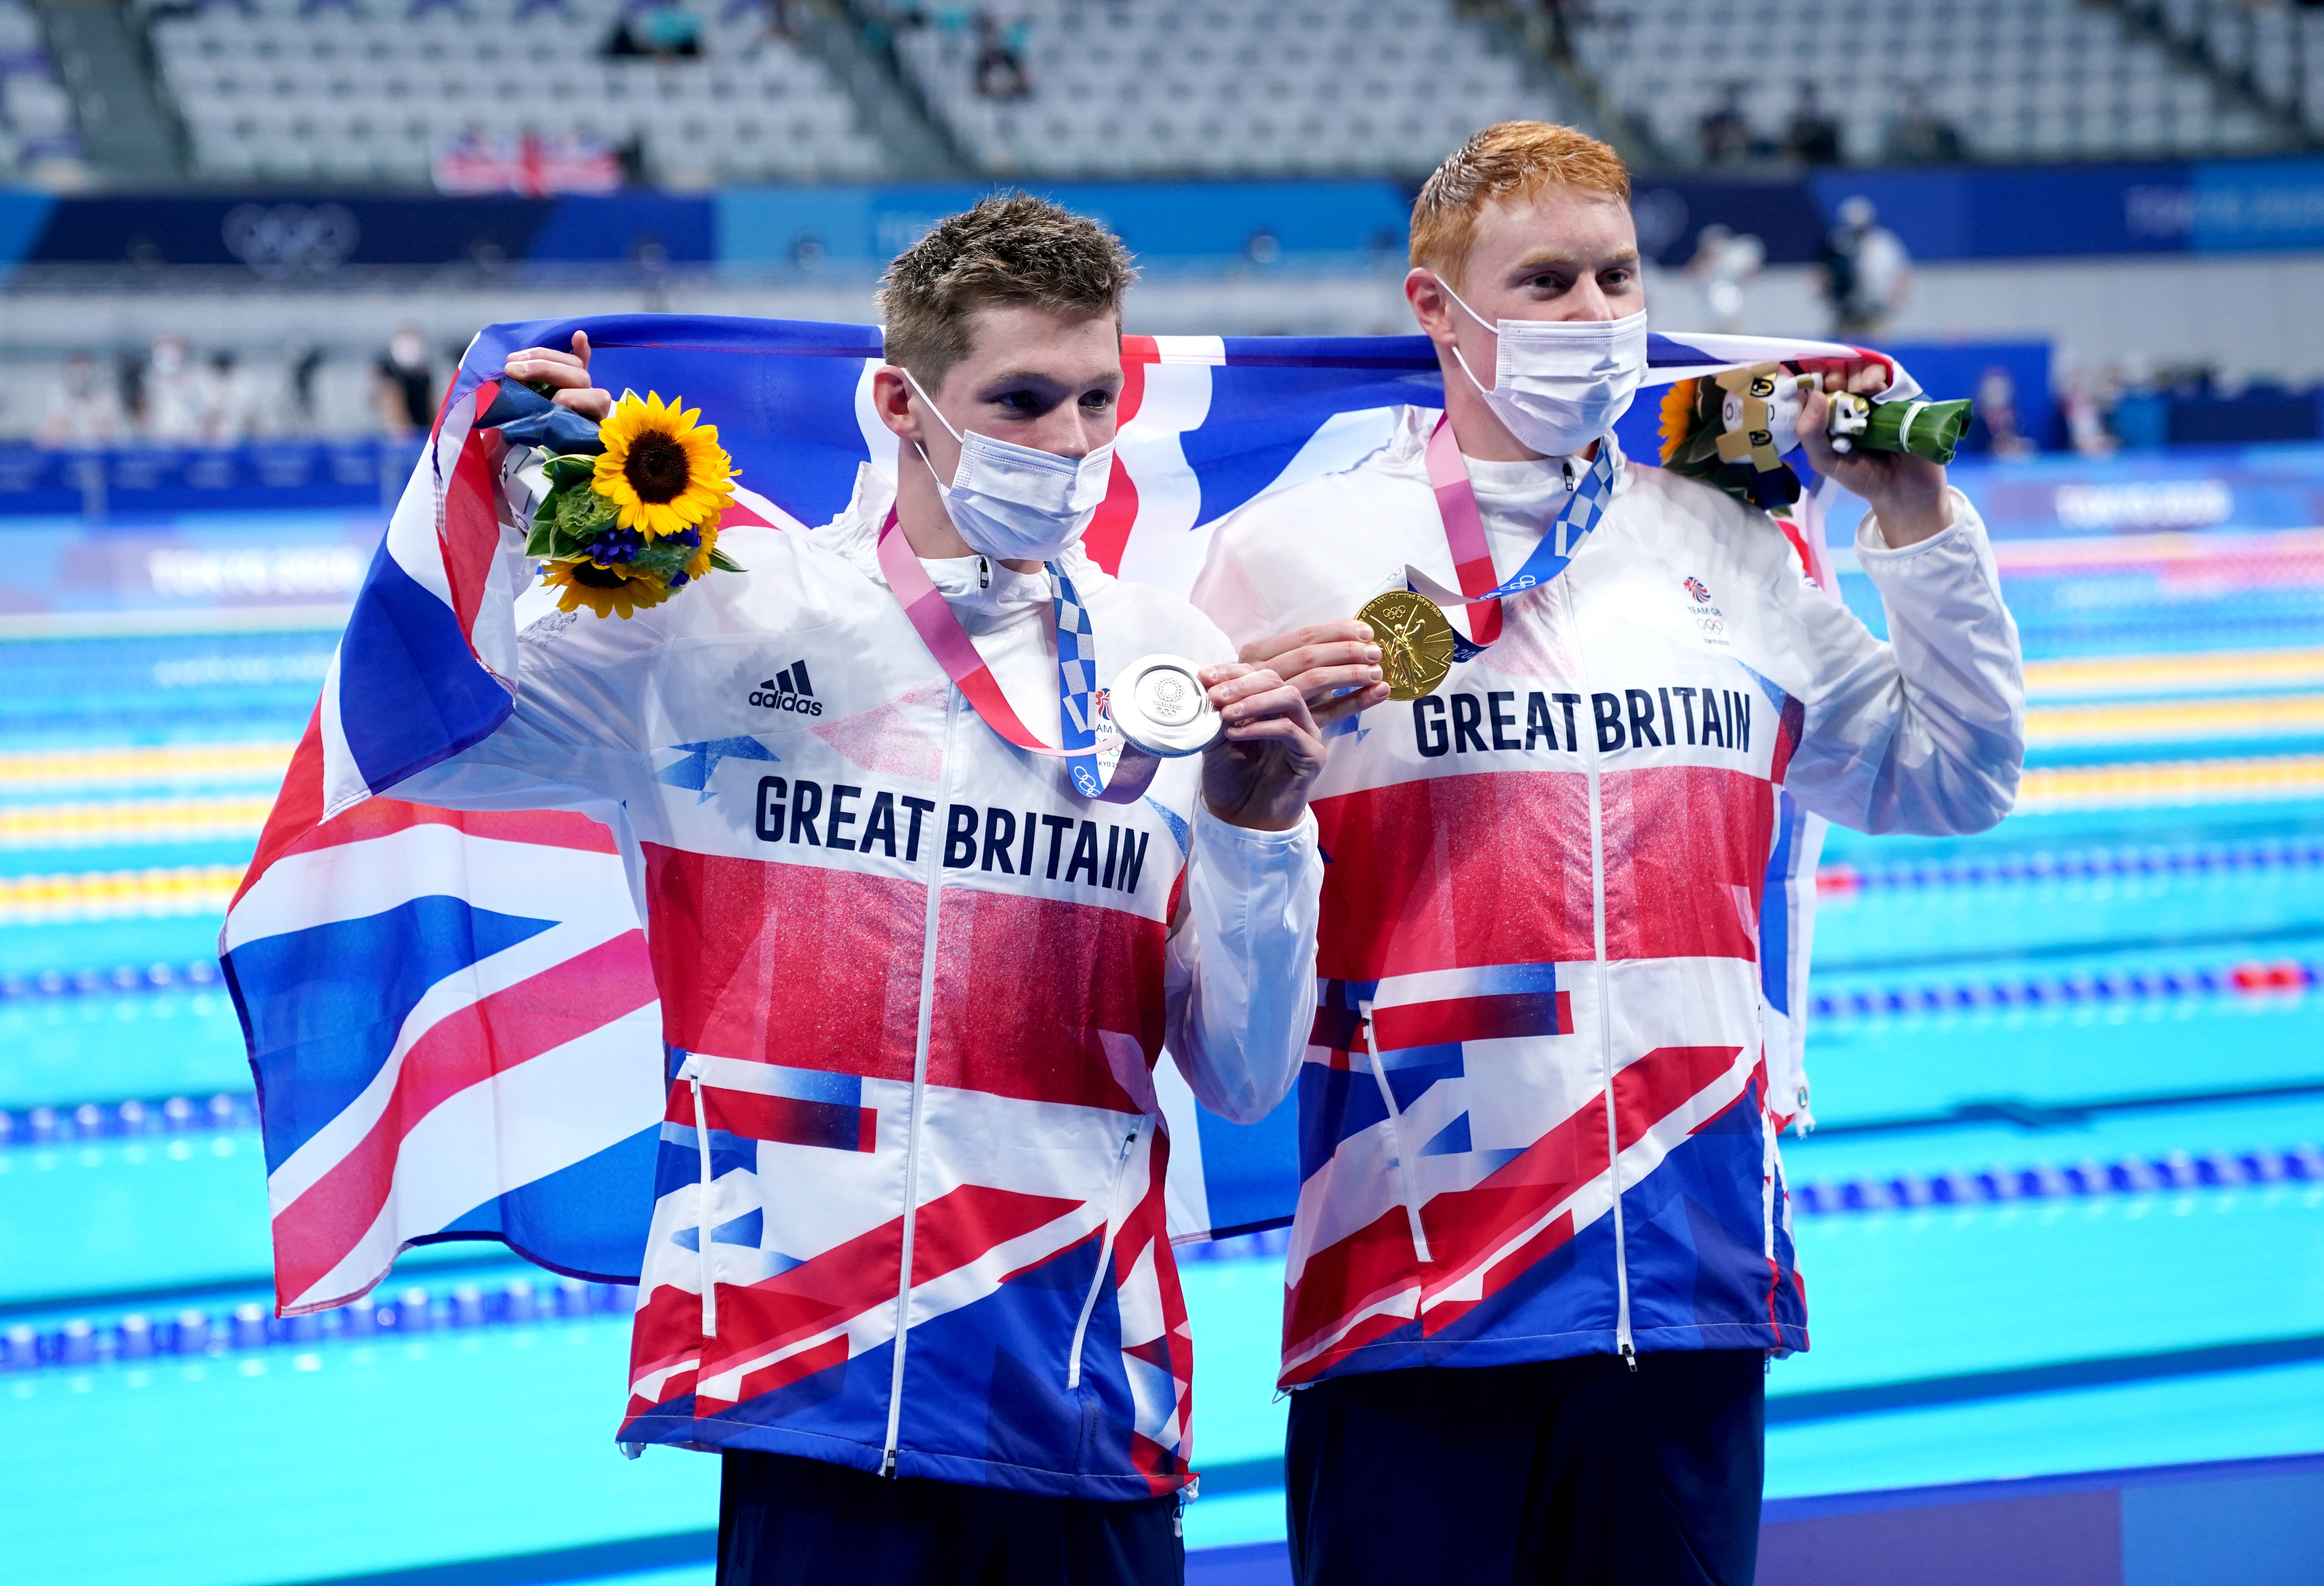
(1134, 88)
(36, 112)
(369, 90)
(2279, 46)
(366, 91)
(2018, 79)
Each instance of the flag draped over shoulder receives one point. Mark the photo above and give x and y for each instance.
(451, 1016)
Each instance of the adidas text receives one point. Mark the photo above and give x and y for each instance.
(789, 690)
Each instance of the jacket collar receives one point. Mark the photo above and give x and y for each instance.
(985, 596)
(1408, 448)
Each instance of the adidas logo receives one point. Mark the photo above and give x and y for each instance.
(789, 690)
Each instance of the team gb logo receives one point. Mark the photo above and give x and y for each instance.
(1697, 588)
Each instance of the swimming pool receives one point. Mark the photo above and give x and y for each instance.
(2061, 1210)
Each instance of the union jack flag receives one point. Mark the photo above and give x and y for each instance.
(532, 165)
(453, 1019)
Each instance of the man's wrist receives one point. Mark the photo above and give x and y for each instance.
(1257, 818)
(1906, 522)
(1271, 815)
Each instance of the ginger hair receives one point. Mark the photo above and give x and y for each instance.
(1508, 160)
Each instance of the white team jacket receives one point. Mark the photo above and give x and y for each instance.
(911, 1207)
(1544, 902)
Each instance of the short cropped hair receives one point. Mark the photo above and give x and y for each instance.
(1011, 248)
(1510, 159)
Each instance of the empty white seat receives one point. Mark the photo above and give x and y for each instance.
(370, 89)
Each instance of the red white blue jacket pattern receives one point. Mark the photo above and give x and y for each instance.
(1536, 1118)
(914, 989)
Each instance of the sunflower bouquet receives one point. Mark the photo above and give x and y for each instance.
(624, 530)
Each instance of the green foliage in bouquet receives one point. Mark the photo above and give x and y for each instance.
(623, 531)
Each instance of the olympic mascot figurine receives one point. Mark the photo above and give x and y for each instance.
(1734, 429)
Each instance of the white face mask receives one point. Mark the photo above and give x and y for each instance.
(1559, 384)
(1015, 502)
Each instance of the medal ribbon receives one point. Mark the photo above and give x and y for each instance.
(949, 643)
(1473, 556)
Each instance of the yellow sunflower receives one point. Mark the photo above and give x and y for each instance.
(607, 591)
(1677, 417)
(701, 563)
(664, 470)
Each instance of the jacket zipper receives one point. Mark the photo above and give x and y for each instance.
(919, 1089)
(690, 1071)
(1404, 1169)
(1105, 1253)
(1768, 1164)
(1623, 1343)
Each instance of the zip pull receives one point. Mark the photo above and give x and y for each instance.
(1630, 1357)
(887, 1463)
(691, 1073)
(983, 574)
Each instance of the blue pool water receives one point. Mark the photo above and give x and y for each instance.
(2110, 1006)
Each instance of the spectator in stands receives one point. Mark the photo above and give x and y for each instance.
(302, 362)
(1814, 136)
(776, 14)
(664, 30)
(883, 20)
(407, 385)
(1726, 132)
(1000, 66)
(2088, 397)
(1556, 19)
(230, 410)
(173, 410)
(83, 410)
(1868, 274)
(1997, 414)
(1919, 135)
(1723, 265)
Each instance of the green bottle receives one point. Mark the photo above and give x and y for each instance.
(1924, 428)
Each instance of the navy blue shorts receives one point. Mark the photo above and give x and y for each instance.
(783, 1520)
(1578, 1470)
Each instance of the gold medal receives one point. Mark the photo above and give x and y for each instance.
(1415, 641)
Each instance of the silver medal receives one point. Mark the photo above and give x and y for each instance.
(1159, 706)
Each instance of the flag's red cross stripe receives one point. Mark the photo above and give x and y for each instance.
(1108, 535)
(470, 529)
